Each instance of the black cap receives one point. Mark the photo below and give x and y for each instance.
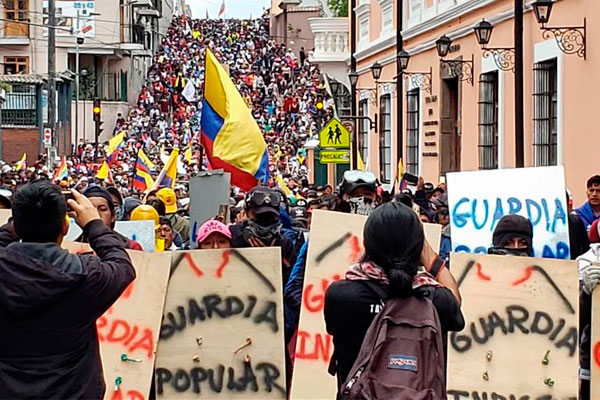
(513, 226)
(270, 203)
(299, 213)
(115, 192)
(428, 187)
(99, 191)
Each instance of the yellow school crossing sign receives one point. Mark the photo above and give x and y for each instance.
(334, 135)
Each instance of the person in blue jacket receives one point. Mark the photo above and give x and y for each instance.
(590, 211)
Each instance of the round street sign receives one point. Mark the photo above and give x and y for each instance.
(349, 125)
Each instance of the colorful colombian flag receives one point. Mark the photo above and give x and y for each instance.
(230, 135)
(168, 175)
(143, 162)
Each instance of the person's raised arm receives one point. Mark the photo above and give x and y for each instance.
(436, 266)
(112, 271)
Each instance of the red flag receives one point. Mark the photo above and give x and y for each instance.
(222, 9)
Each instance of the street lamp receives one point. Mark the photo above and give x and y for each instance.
(402, 59)
(459, 69)
(353, 78)
(542, 10)
(570, 39)
(376, 70)
(443, 46)
(422, 80)
(504, 57)
(483, 33)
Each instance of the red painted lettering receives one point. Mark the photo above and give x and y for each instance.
(320, 346)
(316, 302)
(224, 263)
(101, 323)
(192, 264)
(127, 292)
(131, 338)
(146, 343)
(356, 249)
(596, 354)
(112, 334)
(131, 395)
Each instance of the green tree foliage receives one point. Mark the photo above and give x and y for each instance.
(339, 7)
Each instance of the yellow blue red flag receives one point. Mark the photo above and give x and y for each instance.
(230, 135)
(168, 175)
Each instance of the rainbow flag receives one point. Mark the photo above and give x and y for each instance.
(142, 180)
(62, 172)
(143, 163)
(230, 135)
(168, 175)
(22, 163)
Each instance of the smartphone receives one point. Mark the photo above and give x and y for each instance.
(68, 195)
(224, 213)
(410, 178)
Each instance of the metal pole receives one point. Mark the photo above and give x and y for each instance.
(51, 74)
(353, 88)
(77, 84)
(519, 119)
(85, 94)
(399, 86)
(285, 27)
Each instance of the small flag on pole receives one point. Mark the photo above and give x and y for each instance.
(222, 9)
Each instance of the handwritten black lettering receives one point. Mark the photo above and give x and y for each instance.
(518, 320)
(214, 306)
(265, 377)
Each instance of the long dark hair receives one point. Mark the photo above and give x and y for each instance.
(393, 238)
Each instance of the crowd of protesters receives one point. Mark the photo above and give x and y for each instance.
(289, 101)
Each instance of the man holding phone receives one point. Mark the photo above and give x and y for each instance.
(51, 299)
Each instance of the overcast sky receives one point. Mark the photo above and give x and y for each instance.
(233, 8)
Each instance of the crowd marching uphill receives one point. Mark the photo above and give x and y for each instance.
(284, 91)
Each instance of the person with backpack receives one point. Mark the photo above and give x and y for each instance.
(419, 306)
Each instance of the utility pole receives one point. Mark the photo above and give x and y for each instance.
(399, 84)
(355, 135)
(519, 119)
(79, 41)
(51, 78)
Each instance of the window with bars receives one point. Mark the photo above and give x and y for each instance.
(385, 139)
(545, 113)
(412, 131)
(363, 129)
(488, 120)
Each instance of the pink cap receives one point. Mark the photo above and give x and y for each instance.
(212, 226)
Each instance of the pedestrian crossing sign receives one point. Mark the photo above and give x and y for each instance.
(334, 135)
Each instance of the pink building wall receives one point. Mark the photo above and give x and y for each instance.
(578, 83)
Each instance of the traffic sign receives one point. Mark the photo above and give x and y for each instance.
(335, 156)
(349, 125)
(334, 135)
(47, 137)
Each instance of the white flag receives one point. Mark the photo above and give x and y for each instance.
(189, 92)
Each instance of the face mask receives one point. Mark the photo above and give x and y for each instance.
(361, 206)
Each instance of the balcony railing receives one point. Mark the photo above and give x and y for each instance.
(331, 39)
(15, 29)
